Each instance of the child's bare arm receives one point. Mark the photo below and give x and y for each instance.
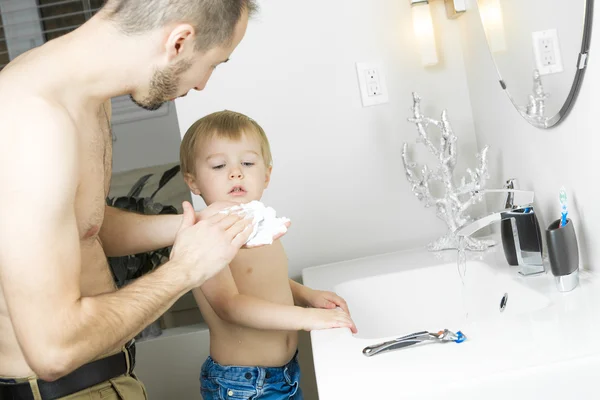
(223, 296)
(299, 293)
(307, 297)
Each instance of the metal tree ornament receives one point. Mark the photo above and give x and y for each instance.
(452, 207)
(535, 109)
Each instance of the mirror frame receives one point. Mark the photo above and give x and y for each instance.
(582, 61)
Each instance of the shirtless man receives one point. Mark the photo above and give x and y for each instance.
(60, 314)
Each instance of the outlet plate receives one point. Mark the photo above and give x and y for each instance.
(371, 82)
(546, 51)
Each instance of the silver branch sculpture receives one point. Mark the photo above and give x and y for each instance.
(452, 207)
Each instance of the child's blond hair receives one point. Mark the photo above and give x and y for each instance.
(221, 124)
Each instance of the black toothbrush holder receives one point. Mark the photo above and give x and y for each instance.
(563, 254)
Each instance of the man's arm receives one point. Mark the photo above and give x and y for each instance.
(40, 259)
(125, 232)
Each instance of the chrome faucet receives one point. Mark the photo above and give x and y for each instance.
(521, 236)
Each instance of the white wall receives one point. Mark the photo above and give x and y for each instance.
(147, 142)
(543, 160)
(337, 168)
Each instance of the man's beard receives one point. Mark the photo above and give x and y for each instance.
(163, 86)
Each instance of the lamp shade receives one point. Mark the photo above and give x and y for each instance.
(424, 34)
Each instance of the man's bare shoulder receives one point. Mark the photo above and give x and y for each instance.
(33, 115)
(37, 134)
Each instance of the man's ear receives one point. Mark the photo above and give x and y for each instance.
(191, 182)
(268, 176)
(180, 41)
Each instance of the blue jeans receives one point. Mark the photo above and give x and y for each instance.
(220, 382)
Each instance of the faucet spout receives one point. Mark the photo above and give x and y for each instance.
(472, 227)
(523, 237)
(522, 200)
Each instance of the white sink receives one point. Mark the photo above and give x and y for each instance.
(434, 298)
(544, 345)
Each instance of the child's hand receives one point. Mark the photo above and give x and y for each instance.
(322, 299)
(318, 318)
(287, 225)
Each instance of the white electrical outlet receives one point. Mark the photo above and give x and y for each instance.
(373, 89)
(546, 52)
(372, 84)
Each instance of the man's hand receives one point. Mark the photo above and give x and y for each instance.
(213, 209)
(204, 248)
(218, 206)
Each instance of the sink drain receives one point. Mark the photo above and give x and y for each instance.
(503, 302)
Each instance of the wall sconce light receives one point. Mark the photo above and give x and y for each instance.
(493, 25)
(423, 26)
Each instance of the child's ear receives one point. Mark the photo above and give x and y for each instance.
(268, 176)
(191, 182)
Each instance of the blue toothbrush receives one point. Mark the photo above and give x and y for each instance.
(563, 206)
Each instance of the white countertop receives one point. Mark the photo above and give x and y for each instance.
(546, 353)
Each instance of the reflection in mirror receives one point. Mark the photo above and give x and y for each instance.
(540, 50)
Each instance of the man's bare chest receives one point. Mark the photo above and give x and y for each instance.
(95, 169)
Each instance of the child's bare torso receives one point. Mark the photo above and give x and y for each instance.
(262, 273)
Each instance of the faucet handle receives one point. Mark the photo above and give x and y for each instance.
(518, 197)
(511, 184)
(510, 198)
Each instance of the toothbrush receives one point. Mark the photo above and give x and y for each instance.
(563, 206)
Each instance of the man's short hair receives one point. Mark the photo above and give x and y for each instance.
(214, 20)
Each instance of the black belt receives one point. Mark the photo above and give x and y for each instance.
(83, 377)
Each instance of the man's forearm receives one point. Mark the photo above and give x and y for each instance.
(97, 325)
(124, 232)
(256, 313)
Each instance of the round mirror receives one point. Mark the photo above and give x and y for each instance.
(540, 48)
